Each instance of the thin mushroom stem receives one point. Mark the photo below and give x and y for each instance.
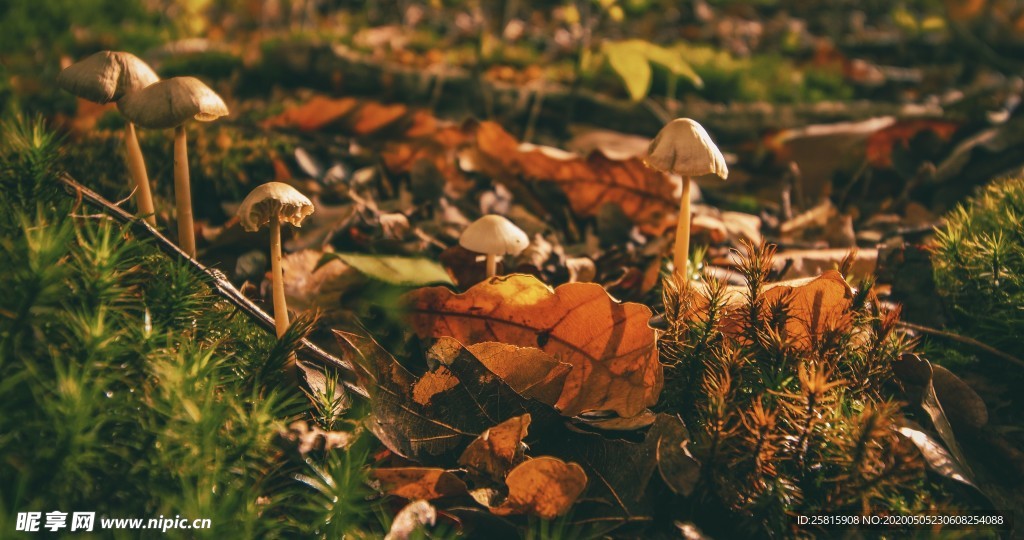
(277, 284)
(183, 193)
(492, 265)
(682, 247)
(277, 277)
(137, 168)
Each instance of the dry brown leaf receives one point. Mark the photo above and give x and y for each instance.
(497, 450)
(545, 487)
(531, 372)
(647, 196)
(433, 383)
(609, 344)
(418, 482)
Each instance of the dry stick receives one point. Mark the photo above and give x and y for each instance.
(222, 286)
(962, 339)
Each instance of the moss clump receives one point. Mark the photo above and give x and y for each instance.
(979, 265)
(128, 388)
(788, 423)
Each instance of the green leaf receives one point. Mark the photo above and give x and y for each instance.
(406, 271)
(673, 61)
(630, 63)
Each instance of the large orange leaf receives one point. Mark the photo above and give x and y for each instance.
(609, 344)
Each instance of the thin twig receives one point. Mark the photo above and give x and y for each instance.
(962, 339)
(224, 287)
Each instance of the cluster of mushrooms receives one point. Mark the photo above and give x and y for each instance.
(682, 148)
(147, 101)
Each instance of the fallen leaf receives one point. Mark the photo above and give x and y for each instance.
(545, 487)
(676, 464)
(453, 410)
(493, 454)
(418, 482)
(403, 271)
(315, 114)
(939, 459)
(815, 306)
(609, 344)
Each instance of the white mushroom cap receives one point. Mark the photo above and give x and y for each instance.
(273, 198)
(494, 235)
(683, 147)
(171, 102)
(106, 76)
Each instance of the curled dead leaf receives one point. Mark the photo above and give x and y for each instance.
(609, 344)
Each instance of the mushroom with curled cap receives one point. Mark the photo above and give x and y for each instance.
(274, 203)
(683, 147)
(169, 104)
(494, 235)
(109, 76)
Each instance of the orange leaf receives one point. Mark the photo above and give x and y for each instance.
(545, 487)
(318, 112)
(419, 482)
(609, 344)
(816, 306)
(373, 117)
(496, 450)
(531, 372)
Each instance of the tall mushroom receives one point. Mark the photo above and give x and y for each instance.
(109, 76)
(494, 235)
(683, 147)
(273, 203)
(169, 104)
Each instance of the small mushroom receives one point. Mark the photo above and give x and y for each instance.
(169, 104)
(494, 235)
(683, 147)
(273, 203)
(108, 76)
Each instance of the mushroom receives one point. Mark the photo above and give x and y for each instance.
(494, 235)
(273, 203)
(169, 104)
(108, 76)
(683, 147)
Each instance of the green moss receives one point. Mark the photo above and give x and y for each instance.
(979, 265)
(128, 388)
